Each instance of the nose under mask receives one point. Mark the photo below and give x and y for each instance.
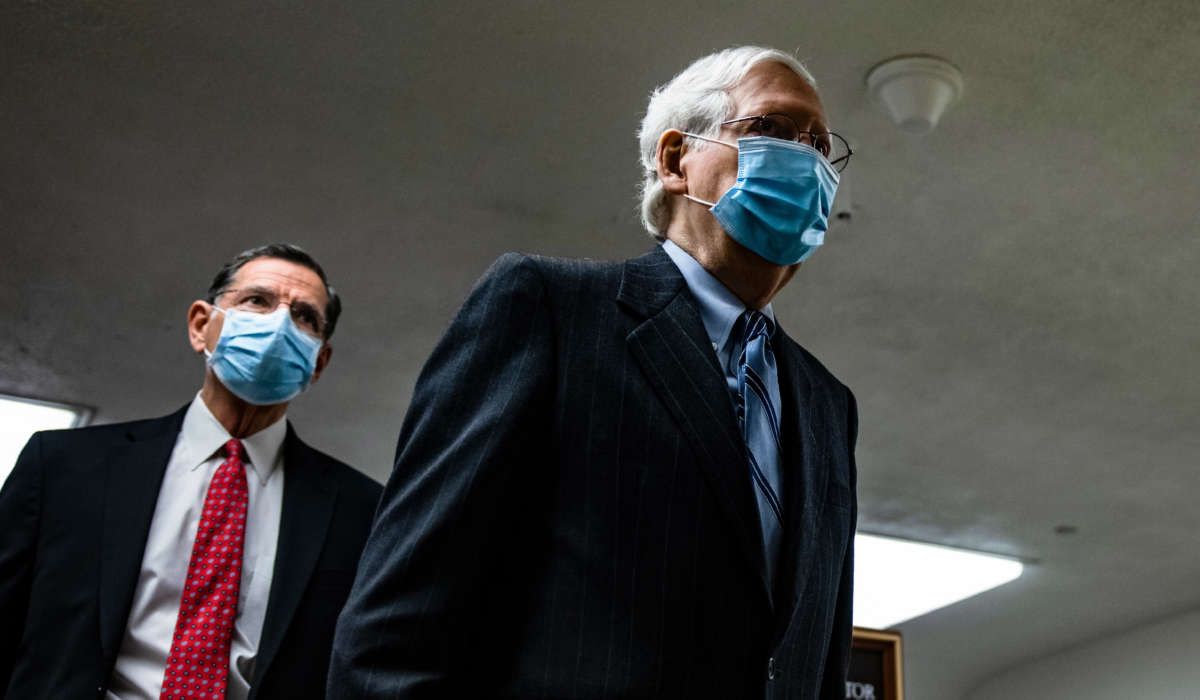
(263, 358)
(779, 207)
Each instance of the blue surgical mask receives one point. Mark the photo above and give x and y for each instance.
(263, 358)
(779, 206)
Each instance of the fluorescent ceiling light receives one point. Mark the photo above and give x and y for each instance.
(896, 580)
(20, 418)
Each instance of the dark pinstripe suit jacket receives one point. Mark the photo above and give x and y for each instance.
(571, 514)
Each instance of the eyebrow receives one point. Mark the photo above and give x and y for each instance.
(255, 289)
(259, 288)
(815, 123)
(274, 292)
(814, 118)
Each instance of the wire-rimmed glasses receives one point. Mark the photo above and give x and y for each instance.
(261, 300)
(781, 126)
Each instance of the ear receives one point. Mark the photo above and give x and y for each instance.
(322, 360)
(200, 316)
(668, 157)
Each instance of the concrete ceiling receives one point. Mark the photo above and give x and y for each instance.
(1014, 300)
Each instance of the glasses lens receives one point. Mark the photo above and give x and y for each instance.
(781, 126)
(835, 148)
(254, 301)
(306, 319)
(778, 126)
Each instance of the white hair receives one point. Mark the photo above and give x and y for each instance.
(696, 101)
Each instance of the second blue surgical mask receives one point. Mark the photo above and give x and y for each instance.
(779, 207)
(263, 358)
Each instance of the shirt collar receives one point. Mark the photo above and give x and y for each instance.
(202, 436)
(719, 307)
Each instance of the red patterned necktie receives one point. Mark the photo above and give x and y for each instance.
(198, 664)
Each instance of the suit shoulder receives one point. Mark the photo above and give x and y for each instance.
(559, 273)
(92, 437)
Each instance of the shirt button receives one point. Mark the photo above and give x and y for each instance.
(771, 668)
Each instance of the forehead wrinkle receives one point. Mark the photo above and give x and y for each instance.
(766, 90)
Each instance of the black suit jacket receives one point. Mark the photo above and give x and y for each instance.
(571, 513)
(74, 518)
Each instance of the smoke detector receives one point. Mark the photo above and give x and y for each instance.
(915, 90)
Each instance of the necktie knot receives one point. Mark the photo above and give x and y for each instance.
(755, 324)
(234, 449)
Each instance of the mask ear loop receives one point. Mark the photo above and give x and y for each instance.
(705, 138)
(697, 200)
(207, 352)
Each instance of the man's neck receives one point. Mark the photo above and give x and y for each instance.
(241, 419)
(752, 279)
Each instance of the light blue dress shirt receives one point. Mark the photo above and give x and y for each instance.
(719, 310)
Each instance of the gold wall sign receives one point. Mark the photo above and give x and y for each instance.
(875, 666)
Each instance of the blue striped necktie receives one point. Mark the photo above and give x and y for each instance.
(758, 394)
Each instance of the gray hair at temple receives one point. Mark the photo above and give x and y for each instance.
(697, 101)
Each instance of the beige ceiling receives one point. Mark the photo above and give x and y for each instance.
(1013, 301)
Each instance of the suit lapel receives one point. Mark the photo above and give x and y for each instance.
(134, 474)
(675, 354)
(806, 478)
(308, 501)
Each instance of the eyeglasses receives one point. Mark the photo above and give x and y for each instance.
(781, 126)
(260, 300)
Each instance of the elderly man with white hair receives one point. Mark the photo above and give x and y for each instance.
(625, 479)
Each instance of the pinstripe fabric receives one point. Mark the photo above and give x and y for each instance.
(570, 514)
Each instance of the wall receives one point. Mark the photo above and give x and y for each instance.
(1158, 661)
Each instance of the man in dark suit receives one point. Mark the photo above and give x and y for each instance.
(623, 480)
(124, 574)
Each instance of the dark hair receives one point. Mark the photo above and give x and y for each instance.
(283, 251)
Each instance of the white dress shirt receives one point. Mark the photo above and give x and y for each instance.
(142, 660)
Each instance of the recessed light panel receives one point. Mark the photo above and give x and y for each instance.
(896, 580)
(20, 418)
